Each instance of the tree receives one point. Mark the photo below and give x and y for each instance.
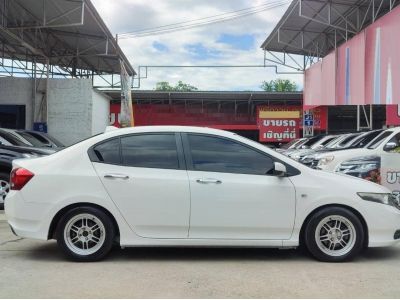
(179, 87)
(279, 85)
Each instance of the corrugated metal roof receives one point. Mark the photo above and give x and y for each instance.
(213, 96)
(315, 27)
(70, 33)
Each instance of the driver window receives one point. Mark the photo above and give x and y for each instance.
(215, 154)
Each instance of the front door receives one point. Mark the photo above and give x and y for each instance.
(146, 178)
(232, 195)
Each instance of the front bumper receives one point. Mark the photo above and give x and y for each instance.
(383, 223)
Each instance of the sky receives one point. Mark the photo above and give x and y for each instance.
(235, 42)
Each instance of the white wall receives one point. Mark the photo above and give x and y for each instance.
(18, 91)
(70, 109)
(100, 112)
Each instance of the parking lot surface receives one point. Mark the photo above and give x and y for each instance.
(37, 269)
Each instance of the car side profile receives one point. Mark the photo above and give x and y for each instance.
(190, 186)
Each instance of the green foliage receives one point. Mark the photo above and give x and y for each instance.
(279, 85)
(179, 87)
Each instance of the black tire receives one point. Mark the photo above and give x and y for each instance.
(354, 247)
(109, 234)
(5, 177)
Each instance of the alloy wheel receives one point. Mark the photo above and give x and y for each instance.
(4, 189)
(84, 234)
(335, 235)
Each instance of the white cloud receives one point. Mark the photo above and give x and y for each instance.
(131, 15)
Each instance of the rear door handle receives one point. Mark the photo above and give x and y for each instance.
(208, 181)
(116, 176)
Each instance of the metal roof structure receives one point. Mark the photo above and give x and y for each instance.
(160, 97)
(313, 28)
(69, 36)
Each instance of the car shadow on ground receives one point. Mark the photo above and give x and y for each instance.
(50, 252)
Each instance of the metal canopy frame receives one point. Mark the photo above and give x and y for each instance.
(58, 39)
(311, 29)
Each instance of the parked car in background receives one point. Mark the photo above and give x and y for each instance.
(189, 186)
(342, 142)
(40, 139)
(329, 161)
(306, 144)
(291, 145)
(14, 145)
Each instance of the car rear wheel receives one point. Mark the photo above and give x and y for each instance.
(4, 188)
(85, 234)
(334, 234)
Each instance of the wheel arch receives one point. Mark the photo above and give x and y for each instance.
(353, 210)
(61, 212)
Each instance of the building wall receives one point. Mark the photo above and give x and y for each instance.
(74, 110)
(100, 112)
(18, 91)
(70, 109)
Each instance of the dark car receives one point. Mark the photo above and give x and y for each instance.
(13, 146)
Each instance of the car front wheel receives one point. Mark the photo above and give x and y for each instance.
(85, 234)
(334, 234)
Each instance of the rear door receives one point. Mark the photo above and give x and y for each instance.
(145, 176)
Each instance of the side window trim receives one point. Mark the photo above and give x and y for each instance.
(179, 148)
(187, 152)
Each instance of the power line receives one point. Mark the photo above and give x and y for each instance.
(203, 21)
(200, 19)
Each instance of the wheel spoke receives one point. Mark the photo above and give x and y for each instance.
(346, 232)
(342, 243)
(95, 227)
(327, 227)
(95, 239)
(75, 228)
(75, 239)
(324, 238)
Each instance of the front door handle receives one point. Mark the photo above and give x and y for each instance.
(116, 176)
(208, 181)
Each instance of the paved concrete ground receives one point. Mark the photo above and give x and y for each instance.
(37, 270)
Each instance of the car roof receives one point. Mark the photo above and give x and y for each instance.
(191, 129)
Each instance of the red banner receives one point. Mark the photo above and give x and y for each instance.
(392, 115)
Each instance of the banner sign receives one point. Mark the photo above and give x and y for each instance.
(126, 117)
(278, 124)
(393, 115)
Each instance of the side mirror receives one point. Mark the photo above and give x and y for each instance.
(279, 169)
(390, 146)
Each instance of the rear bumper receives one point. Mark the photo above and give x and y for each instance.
(26, 219)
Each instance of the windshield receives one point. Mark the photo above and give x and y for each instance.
(35, 142)
(379, 140)
(347, 141)
(364, 139)
(12, 139)
(290, 144)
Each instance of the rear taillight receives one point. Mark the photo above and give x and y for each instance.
(20, 177)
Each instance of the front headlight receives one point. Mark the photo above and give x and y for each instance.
(325, 160)
(387, 199)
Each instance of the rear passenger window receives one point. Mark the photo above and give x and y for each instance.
(108, 152)
(150, 151)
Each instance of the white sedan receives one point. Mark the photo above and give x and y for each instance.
(189, 186)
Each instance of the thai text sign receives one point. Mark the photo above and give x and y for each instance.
(278, 124)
